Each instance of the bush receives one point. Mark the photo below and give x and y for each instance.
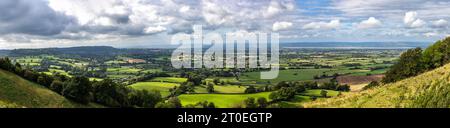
(251, 89)
(371, 85)
(250, 102)
(262, 102)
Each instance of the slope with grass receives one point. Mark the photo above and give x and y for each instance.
(16, 92)
(428, 90)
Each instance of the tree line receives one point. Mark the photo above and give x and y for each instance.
(416, 61)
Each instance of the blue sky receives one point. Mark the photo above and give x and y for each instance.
(129, 23)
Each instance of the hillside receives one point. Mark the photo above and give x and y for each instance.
(428, 90)
(18, 92)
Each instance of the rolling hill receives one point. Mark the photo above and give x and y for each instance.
(428, 90)
(16, 92)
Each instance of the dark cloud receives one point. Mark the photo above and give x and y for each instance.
(33, 17)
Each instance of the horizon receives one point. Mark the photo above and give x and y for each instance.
(410, 44)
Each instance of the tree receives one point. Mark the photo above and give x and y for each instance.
(262, 102)
(112, 94)
(323, 93)
(78, 89)
(57, 86)
(250, 103)
(172, 102)
(144, 98)
(299, 88)
(210, 88)
(175, 101)
(284, 93)
(211, 105)
(344, 88)
(250, 89)
(437, 54)
(371, 85)
(410, 64)
(216, 81)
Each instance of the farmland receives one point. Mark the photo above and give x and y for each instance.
(149, 70)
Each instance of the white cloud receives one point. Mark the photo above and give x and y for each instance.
(440, 23)
(277, 26)
(152, 30)
(431, 34)
(369, 23)
(276, 8)
(334, 24)
(411, 20)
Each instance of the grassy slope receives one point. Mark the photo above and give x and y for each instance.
(429, 90)
(18, 92)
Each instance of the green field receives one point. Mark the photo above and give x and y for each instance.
(229, 89)
(162, 87)
(220, 100)
(123, 70)
(169, 79)
(316, 92)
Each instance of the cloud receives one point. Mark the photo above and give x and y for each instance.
(411, 20)
(369, 23)
(152, 30)
(431, 34)
(440, 23)
(334, 24)
(277, 26)
(31, 17)
(247, 15)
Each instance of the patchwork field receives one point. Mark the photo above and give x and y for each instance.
(220, 100)
(169, 79)
(162, 87)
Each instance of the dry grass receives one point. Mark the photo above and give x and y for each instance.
(428, 90)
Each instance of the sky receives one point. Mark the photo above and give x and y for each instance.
(152, 23)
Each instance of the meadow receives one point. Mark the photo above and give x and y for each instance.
(220, 100)
(162, 87)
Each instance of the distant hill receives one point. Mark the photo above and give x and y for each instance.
(87, 50)
(428, 90)
(357, 45)
(17, 92)
(4, 53)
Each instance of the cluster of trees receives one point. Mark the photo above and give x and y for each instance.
(371, 85)
(251, 102)
(287, 90)
(285, 93)
(81, 90)
(334, 85)
(204, 104)
(416, 61)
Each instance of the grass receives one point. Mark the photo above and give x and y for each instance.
(316, 92)
(162, 87)
(123, 70)
(296, 102)
(18, 92)
(229, 89)
(169, 79)
(220, 100)
(428, 90)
